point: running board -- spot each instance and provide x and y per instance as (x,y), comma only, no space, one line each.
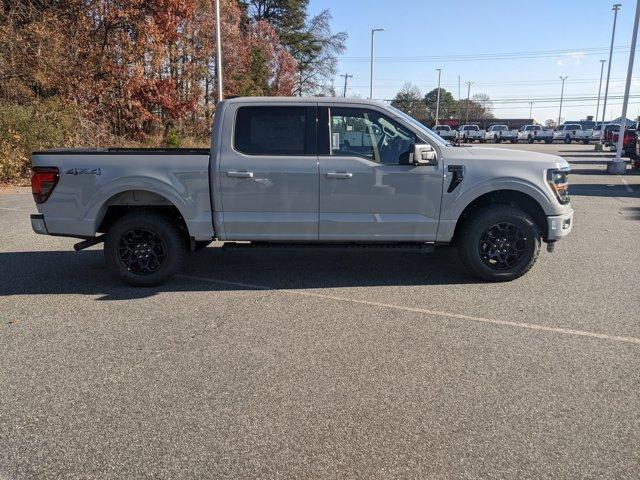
(398,246)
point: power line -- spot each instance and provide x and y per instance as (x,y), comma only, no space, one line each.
(574,53)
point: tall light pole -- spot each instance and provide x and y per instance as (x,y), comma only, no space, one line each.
(615,9)
(346,77)
(438,98)
(468,99)
(530,109)
(618,166)
(373,35)
(459,106)
(219,52)
(561,98)
(602,62)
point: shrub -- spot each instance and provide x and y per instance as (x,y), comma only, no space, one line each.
(26,128)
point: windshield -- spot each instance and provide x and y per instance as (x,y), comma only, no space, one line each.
(443,128)
(421,129)
(500,128)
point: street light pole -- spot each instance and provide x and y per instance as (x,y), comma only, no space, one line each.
(438,98)
(373,33)
(219,52)
(468,99)
(561,98)
(618,167)
(598,146)
(602,62)
(615,9)
(530,110)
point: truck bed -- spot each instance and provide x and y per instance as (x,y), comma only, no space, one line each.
(92,180)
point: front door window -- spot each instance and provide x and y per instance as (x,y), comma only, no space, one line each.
(371,135)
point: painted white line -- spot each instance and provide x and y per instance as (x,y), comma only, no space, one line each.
(14,209)
(437,313)
(626,184)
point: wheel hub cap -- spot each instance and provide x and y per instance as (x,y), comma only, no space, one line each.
(502,246)
(141,251)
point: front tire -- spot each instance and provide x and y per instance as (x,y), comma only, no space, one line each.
(530,139)
(567,139)
(144,248)
(499,243)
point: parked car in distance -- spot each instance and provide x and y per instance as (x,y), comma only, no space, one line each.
(535,133)
(446,132)
(609,130)
(628,141)
(596,131)
(471,133)
(501,133)
(282,171)
(572,132)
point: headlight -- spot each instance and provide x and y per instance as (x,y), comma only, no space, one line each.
(559,182)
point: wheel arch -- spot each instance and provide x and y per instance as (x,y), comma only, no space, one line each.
(145,192)
(518,198)
(125,201)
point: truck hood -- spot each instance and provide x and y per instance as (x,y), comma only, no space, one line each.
(491,155)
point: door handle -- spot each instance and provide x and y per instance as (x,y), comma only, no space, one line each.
(240,174)
(343,175)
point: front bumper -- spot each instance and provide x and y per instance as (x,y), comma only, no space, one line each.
(559,226)
(38,225)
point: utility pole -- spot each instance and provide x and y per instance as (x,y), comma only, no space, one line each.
(615,9)
(373,34)
(561,97)
(438,100)
(618,167)
(346,77)
(468,99)
(530,109)
(219,53)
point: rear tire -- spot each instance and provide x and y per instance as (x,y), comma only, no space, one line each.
(499,243)
(530,139)
(144,248)
(567,139)
(548,141)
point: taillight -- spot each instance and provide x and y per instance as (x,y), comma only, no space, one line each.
(43,181)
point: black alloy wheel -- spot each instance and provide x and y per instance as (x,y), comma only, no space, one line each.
(502,246)
(141,251)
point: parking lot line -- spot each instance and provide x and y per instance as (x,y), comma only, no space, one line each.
(457,316)
(626,184)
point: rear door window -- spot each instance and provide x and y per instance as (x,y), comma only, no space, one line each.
(275,130)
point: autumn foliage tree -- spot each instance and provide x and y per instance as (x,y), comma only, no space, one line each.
(136,67)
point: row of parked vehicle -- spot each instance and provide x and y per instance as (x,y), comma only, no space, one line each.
(567,133)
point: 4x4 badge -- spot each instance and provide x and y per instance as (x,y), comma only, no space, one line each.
(84,171)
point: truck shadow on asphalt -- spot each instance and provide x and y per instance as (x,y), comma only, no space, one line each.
(85,273)
(603,190)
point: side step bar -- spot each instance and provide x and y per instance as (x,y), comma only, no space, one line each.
(397,246)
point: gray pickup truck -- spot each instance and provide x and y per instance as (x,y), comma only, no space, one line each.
(305,170)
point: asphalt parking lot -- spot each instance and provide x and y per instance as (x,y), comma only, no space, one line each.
(315,364)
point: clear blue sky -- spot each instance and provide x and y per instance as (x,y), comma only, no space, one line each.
(572,34)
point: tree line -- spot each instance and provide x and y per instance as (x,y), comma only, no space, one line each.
(423,108)
(144,71)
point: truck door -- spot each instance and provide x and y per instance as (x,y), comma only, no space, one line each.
(268,173)
(372,192)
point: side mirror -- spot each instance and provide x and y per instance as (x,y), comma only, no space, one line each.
(424,155)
